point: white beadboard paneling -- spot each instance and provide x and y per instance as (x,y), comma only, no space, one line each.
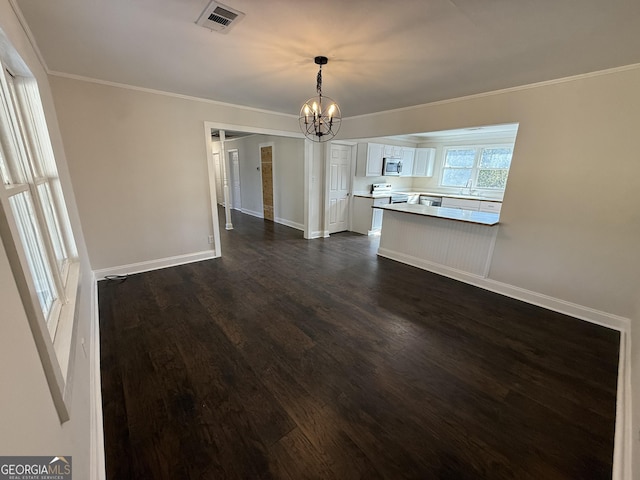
(462,246)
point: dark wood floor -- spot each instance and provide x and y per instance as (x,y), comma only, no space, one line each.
(296,359)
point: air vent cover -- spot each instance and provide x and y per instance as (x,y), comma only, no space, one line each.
(219,17)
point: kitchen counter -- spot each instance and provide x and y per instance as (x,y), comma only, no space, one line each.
(373,195)
(470,216)
(448,241)
(429,194)
(452,195)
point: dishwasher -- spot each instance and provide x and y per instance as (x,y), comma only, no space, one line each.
(430,201)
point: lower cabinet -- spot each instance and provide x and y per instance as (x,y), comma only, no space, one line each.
(461,203)
(477,205)
(376,222)
(367,220)
(490,207)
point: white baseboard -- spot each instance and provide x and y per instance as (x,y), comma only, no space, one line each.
(289,223)
(551,303)
(622,459)
(96,460)
(283,221)
(316,234)
(252,213)
(623,441)
(150,265)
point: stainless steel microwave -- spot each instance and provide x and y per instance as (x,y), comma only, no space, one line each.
(391,167)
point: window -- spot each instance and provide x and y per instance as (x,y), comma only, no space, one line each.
(35,227)
(476,167)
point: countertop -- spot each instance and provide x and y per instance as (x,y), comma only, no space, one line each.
(430,194)
(469,216)
(453,195)
(374,195)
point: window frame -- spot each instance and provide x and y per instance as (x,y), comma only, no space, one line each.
(29,162)
(475,169)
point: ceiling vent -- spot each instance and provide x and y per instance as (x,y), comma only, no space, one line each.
(219,17)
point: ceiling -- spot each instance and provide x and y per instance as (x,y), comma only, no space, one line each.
(382,54)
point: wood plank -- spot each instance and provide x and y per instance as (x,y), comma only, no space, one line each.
(290,359)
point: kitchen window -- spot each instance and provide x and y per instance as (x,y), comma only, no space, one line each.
(35,228)
(485,167)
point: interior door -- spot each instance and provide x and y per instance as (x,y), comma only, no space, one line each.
(236,197)
(339,177)
(266,166)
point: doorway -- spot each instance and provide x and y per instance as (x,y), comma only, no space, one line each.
(266,167)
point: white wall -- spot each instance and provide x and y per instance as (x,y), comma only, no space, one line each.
(288,173)
(288,186)
(138,163)
(29,423)
(363,184)
(570,225)
(316,189)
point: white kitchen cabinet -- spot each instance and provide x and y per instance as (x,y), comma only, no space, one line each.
(369,160)
(477,205)
(376,221)
(423,163)
(367,220)
(461,203)
(490,207)
(407,161)
(392,151)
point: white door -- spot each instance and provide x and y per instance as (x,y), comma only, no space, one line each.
(236,197)
(339,175)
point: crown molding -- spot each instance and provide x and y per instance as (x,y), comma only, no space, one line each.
(492,93)
(165,93)
(27,31)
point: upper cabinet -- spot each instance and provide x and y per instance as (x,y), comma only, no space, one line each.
(407,161)
(392,151)
(369,160)
(416,162)
(423,162)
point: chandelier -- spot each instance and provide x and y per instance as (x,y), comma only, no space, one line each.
(320,116)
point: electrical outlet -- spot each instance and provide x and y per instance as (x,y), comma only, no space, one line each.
(210,239)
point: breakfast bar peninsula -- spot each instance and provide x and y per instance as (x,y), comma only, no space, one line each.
(449,241)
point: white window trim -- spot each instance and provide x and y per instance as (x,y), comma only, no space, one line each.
(55,355)
(55,348)
(476,163)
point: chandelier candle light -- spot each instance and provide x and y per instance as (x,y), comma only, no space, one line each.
(320,117)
